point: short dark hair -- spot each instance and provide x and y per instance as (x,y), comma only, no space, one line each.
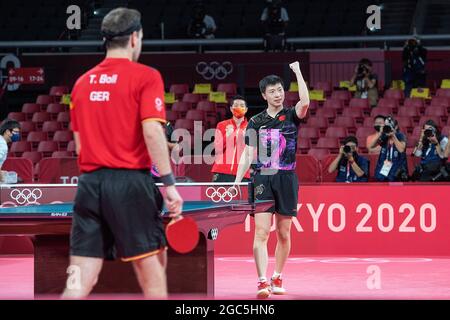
(9,124)
(365,61)
(238,97)
(350,139)
(379,116)
(117,22)
(269,81)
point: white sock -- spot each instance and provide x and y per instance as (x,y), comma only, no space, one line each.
(276,275)
(262,279)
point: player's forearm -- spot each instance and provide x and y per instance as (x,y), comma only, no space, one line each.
(333,166)
(244,164)
(76,138)
(156,142)
(303,94)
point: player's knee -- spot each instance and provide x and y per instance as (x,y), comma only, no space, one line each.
(284,236)
(262,234)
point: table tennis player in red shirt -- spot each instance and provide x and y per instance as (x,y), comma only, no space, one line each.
(229,142)
(117,113)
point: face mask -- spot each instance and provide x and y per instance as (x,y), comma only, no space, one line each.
(15,137)
(239,112)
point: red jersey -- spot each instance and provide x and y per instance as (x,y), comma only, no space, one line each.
(109,104)
(229,144)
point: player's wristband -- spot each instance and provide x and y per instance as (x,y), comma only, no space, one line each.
(168,180)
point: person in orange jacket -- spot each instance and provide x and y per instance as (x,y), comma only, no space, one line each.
(229,143)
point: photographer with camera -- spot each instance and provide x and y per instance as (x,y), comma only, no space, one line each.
(431,149)
(414,58)
(392,164)
(201,24)
(274,20)
(378,126)
(366,82)
(351,166)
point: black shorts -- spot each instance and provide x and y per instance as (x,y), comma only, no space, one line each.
(282,187)
(225,178)
(117,213)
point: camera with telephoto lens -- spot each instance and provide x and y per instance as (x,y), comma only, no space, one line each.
(362,69)
(430,132)
(347,149)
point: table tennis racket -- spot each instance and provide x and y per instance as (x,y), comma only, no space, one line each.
(182,234)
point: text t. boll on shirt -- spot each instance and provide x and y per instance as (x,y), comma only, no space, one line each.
(109,104)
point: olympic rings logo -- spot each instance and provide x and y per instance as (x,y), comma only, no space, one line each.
(26,196)
(222,194)
(214,70)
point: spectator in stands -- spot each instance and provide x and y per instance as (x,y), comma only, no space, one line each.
(9,132)
(229,143)
(392,164)
(378,126)
(201,24)
(274,19)
(366,82)
(173,148)
(351,166)
(431,149)
(414,59)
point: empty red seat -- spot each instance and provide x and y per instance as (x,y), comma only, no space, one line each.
(55,108)
(184,124)
(171,116)
(207,106)
(319,154)
(381,110)
(397,94)
(290,98)
(328,143)
(416,132)
(368,122)
(195,115)
(192,98)
(51,127)
(405,122)
(388,103)
(33,156)
(443,93)
(181,108)
(342,95)
(323,85)
(26,127)
(328,113)
(344,121)
(354,113)
(303,145)
(364,132)
(335,104)
(440,102)
(229,88)
(309,133)
(71,147)
(62,154)
(446,131)
(336,132)
(359,103)
(30,108)
(19,147)
(414,103)
(39,118)
(317,122)
(59,90)
(408,112)
(179,89)
(44,100)
(64,118)
(47,148)
(17,116)
(63,137)
(35,137)
(439,111)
